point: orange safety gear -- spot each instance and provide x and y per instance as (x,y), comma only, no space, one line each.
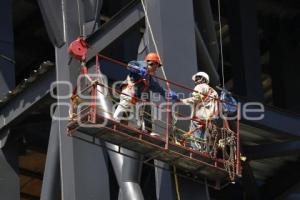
(152,57)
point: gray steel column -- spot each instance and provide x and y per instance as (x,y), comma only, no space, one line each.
(206,40)
(82,166)
(175,37)
(205,22)
(7,66)
(53,19)
(9,179)
(249,183)
(245,48)
(204,59)
(92,16)
(51,179)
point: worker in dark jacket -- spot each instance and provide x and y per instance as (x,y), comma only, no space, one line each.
(140,81)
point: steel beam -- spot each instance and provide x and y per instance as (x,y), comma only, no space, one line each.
(117,26)
(7,63)
(275,120)
(27,100)
(278,149)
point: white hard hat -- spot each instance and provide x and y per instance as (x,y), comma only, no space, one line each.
(202,74)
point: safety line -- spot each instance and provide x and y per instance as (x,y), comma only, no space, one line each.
(79,19)
(221,44)
(162,68)
(176,184)
(152,35)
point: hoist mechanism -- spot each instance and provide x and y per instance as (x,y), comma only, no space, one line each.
(217,159)
(78,49)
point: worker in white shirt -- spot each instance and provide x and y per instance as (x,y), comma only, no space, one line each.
(204,102)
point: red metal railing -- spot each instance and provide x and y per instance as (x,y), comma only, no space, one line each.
(93,113)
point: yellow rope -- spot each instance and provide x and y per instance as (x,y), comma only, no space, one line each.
(176,184)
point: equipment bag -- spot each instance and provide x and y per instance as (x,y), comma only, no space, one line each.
(228,103)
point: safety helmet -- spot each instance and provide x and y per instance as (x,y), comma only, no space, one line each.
(152,57)
(202,74)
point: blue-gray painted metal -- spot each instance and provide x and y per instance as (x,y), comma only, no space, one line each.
(27,100)
(51,178)
(204,59)
(206,24)
(175,38)
(245,48)
(277,149)
(248,181)
(52,14)
(78,160)
(3,137)
(188,187)
(116,27)
(92,10)
(9,180)
(164,182)
(273,120)
(66,150)
(7,67)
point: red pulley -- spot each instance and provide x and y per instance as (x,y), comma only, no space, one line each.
(78,49)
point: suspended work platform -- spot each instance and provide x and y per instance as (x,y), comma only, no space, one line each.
(189,162)
(217,161)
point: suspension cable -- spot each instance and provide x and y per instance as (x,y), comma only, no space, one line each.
(152,36)
(79,18)
(162,69)
(221,44)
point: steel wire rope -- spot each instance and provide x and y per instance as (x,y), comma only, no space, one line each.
(79,18)
(221,44)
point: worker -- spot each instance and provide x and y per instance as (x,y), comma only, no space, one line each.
(137,83)
(204,102)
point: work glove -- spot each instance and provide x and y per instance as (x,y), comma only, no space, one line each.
(142,72)
(139,70)
(172,95)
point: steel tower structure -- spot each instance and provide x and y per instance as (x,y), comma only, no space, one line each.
(187,39)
